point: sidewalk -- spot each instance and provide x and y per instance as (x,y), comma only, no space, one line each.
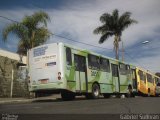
(23,100)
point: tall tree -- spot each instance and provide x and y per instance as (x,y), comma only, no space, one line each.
(31,31)
(114,25)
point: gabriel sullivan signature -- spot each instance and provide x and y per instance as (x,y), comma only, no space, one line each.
(9,117)
(139,116)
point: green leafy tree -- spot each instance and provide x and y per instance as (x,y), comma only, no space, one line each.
(31,31)
(114,25)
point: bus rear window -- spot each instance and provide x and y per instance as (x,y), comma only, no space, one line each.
(68,56)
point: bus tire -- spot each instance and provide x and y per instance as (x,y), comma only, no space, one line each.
(105,95)
(118,95)
(66,95)
(130,93)
(95,91)
(89,96)
(149,92)
(156,95)
(38,94)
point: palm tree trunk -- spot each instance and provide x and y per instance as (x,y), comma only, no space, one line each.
(116,46)
(32,39)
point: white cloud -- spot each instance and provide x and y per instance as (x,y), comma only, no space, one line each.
(150,63)
(78,20)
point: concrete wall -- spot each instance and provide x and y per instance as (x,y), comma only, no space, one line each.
(12,55)
(8,62)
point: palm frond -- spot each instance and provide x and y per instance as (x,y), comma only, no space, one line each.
(29,31)
(105,17)
(41,17)
(125,21)
(100,29)
(22,47)
(105,37)
(114,19)
(41,36)
(15,28)
(28,22)
(115,15)
(113,24)
(35,19)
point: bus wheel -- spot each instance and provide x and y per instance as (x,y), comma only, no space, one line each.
(66,95)
(95,91)
(156,95)
(106,95)
(128,95)
(130,92)
(37,94)
(89,96)
(149,92)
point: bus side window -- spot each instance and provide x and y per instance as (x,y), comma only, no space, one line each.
(149,78)
(123,69)
(153,80)
(68,56)
(158,84)
(133,74)
(93,62)
(115,70)
(104,65)
(144,78)
(157,80)
(128,69)
(141,75)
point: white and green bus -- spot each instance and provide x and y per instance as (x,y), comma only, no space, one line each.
(65,69)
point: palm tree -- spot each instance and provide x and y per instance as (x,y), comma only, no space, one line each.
(31,31)
(114,25)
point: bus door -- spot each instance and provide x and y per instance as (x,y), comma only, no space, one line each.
(80,73)
(115,78)
(134,80)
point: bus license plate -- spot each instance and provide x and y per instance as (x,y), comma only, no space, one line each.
(44,81)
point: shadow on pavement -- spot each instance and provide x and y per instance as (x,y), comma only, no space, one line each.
(79,98)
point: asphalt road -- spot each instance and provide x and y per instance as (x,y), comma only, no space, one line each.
(146,105)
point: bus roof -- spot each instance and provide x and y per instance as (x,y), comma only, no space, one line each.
(97,54)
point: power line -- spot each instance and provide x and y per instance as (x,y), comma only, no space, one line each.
(144,45)
(62,36)
(8,19)
(91,45)
(74,40)
(80,42)
(134,59)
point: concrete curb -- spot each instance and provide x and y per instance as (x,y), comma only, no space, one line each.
(15,101)
(10,100)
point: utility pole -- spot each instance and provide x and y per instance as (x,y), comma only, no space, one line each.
(12,83)
(122,52)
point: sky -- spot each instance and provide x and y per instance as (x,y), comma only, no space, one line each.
(76,20)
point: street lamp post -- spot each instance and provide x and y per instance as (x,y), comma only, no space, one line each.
(144,42)
(122,52)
